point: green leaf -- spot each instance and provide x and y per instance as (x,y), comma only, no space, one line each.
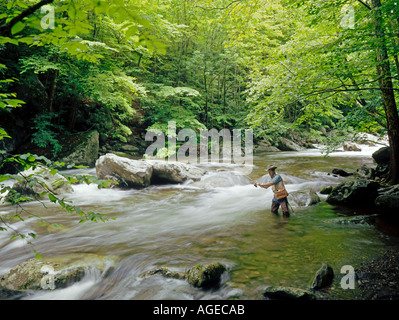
(52,197)
(18,27)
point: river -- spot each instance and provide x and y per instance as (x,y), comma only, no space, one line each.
(222,217)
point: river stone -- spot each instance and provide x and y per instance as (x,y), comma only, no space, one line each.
(165,272)
(285,144)
(304,198)
(80,148)
(174,172)
(388,198)
(206,275)
(55,183)
(323,278)
(68,269)
(351,147)
(266,146)
(382,155)
(141,173)
(287,293)
(130,173)
(357,192)
(326,190)
(341,172)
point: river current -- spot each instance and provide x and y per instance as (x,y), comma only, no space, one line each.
(222,217)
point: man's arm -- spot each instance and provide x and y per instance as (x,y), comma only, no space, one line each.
(266,185)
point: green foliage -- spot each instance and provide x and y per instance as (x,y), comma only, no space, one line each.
(44,135)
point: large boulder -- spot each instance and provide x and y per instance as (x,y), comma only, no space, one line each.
(303,198)
(285,144)
(348,146)
(323,278)
(354,193)
(35,274)
(382,155)
(142,173)
(265,146)
(174,172)
(128,172)
(35,182)
(80,148)
(287,293)
(388,199)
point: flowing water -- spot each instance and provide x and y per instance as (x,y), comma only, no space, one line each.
(222,217)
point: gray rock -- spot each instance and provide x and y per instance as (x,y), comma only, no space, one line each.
(266,146)
(287,293)
(285,144)
(357,192)
(128,172)
(142,173)
(303,198)
(39,180)
(82,149)
(323,278)
(351,147)
(165,272)
(68,269)
(174,172)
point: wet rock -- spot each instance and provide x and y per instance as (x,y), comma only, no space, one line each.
(206,275)
(341,172)
(10,294)
(326,190)
(323,278)
(388,198)
(365,172)
(200,276)
(351,147)
(357,192)
(285,144)
(128,172)
(364,219)
(287,293)
(165,272)
(68,269)
(81,148)
(34,182)
(382,155)
(304,198)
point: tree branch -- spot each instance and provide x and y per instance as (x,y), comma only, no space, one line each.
(219,8)
(365,4)
(5,29)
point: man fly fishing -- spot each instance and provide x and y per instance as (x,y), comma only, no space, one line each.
(280,193)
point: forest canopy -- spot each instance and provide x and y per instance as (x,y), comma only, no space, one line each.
(310,69)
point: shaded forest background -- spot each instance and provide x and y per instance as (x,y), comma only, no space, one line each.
(314,71)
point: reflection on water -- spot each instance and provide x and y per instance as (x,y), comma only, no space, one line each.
(221,218)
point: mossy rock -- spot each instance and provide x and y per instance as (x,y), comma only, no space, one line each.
(67,269)
(206,275)
(287,293)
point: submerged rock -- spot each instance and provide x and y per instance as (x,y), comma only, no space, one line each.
(341,172)
(287,293)
(206,275)
(66,270)
(35,182)
(304,198)
(323,278)
(203,276)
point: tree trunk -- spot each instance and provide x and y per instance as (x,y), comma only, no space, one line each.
(52,91)
(387,92)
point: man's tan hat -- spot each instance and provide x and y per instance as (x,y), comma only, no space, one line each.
(271,167)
